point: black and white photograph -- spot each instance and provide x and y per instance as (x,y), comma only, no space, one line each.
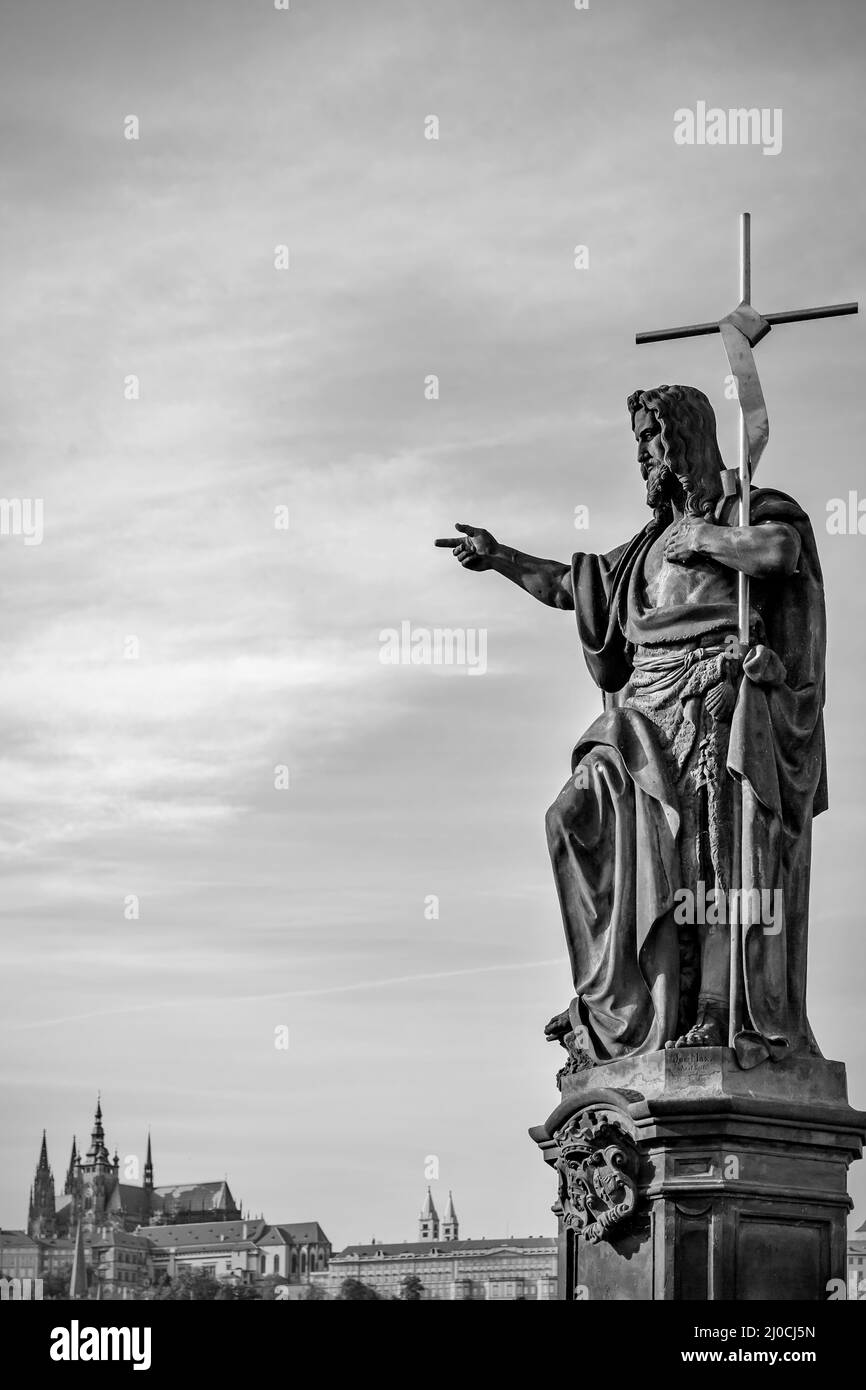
(432,736)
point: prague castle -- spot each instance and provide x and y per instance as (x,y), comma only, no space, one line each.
(94,1194)
(106,1237)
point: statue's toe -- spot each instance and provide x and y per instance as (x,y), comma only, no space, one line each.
(558,1026)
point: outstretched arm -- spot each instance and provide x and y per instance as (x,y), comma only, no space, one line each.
(547,580)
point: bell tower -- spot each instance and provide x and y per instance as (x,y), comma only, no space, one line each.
(428,1222)
(97,1174)
(450,1224)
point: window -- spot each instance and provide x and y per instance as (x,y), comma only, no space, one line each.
(277,1263)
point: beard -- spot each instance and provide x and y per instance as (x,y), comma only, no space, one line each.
(662,486)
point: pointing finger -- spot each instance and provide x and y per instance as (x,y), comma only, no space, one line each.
(450,541)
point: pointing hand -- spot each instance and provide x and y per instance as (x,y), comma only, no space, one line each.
(476,549)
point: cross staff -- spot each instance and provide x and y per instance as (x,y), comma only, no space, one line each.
(741,331)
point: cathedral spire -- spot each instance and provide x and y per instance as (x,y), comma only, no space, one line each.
(148,1166)
(40,1217)
(98,1153)
(70,1172)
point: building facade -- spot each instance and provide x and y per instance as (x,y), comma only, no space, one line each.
(20,1256)
(510,1268)
(857,1264)
(240,1250)
(122,1265)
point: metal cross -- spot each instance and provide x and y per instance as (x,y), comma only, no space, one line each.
(741,331)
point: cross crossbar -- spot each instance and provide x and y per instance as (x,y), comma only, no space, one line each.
(699,330)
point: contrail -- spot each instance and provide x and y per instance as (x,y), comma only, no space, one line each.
(284,994)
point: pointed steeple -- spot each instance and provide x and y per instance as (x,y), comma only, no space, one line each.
(450,1224)
(97,1154)
(428,1222)
(40,1218)
(148,1167)
(70,1172)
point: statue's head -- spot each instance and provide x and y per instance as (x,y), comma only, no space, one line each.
(677,450)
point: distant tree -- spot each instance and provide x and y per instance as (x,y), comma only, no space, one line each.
(55,1286)
(353,1289)
(194,1285)
(315,1294)
(267,1288)
(160,1289)
(236,1291)
(411,1288)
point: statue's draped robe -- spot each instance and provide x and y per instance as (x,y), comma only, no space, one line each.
(625,834)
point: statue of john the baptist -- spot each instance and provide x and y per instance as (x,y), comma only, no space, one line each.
(644,827)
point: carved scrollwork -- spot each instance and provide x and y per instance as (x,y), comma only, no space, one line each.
(597,1169)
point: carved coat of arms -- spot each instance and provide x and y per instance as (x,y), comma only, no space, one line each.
(597,1169)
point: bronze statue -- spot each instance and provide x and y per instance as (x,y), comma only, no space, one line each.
(643,837)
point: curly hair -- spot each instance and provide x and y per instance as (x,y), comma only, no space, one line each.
(687,424)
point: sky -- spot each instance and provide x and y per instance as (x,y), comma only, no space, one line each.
(168,646)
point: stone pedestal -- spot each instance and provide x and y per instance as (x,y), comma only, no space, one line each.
(682,1176)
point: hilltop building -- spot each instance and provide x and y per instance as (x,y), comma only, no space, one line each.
(448,1267)
(117,1237)
(95,1193)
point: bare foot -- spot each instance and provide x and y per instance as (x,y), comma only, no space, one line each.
(556,1029)
(711,1030)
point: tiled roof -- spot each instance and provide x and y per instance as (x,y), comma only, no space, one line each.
(10,1240)
(203,1233)
(130,1198)
(193,1196)
(447,1247)
(127,1240)
(298,1232)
